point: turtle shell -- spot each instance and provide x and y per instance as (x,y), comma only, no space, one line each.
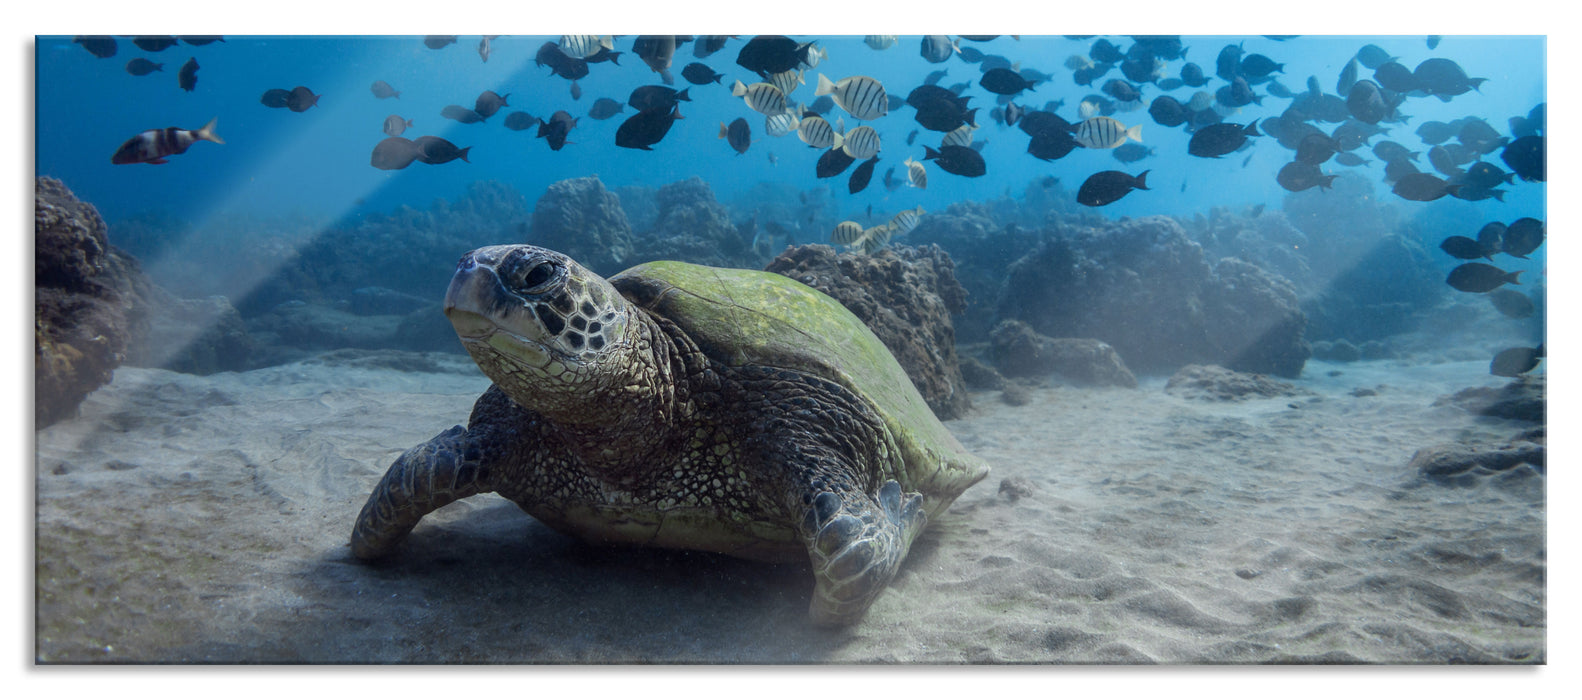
(750,317)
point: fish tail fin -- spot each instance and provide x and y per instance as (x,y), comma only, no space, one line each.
(683,95)
(207,132)
(1252,129)
(929,153)
(1135,133)
(1512,277)
(839,140)
(723,130)
(739,89)
(1142,180)
(463,154)
(825,85)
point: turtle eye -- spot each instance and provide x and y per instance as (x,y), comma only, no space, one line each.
(538,276)
(531,279)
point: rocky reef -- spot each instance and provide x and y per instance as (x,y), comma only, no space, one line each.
(906,295)
(1215,383)
(582,219)
(692,226)
(982,249)
(1145,288)
(1019,351)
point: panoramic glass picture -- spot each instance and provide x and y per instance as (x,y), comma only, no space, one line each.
(767,349)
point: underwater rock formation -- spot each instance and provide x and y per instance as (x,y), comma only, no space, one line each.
(906,295)
(580,218)
(981,251)
(1146,289)
(691,226)
(1451,459)
(1215,383)
(195,336)
(1523,398)
(1019,351)
(81,326)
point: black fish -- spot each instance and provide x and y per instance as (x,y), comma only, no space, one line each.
(650,98)
(657,50)
(1422,187)
(556,129)
(393,153)
(833,162)
(1131,152)
(1052,145)
(604,108)
(154,43)
(1237,94)
(520,121)
(708,45)
(1168,111)
(1004,81)
(738,134)
(604,55)
(1522,237)
(1463,248)
(1228,63)
(1371,57)
(101,46)
(434,150)
(1440,158)
(1512,303)
(276,98)
(438,41)
(957,160)
(1443,78)
(646,128)
(940,110)
(301,99)
(1485,174)
(1296,176)
(1220,139)
(1192,75)
(489,102)
(1350,159)
(770,53)
(699,74)
(1390,150)
(1492,236)
(1366,103)
(1477,135)
(1395,77)
(861,176)
(188,77)
(1256,66)
(1121,90)
(1513,362)
(461,114)
(1103,51)
(382,90)
(1315,148)
(1141,68)
(201,40)
(1104,187)
(143,66)
(154,145)
(1525,156)
(1480,277)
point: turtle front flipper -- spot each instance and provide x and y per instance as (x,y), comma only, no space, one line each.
(857,541)
(447,468)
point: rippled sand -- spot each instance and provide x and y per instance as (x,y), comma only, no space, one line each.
(205,519)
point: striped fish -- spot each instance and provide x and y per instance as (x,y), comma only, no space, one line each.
(761,97)
(961,136)
(815,131)
(813,56)
(780,124)
(1106,132)
(861,96)
(879,42)
(916,176)
(154,145)
(904,222)
(874,238)
(584,45)
(846,233)
(786,81)
(861,143)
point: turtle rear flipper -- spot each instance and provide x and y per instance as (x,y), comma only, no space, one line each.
(447,468)
(856,542)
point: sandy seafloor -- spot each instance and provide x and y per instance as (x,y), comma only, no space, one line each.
(198,519)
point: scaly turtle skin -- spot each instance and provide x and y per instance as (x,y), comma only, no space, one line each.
(682,406)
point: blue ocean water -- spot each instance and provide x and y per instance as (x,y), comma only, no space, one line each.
(316,163)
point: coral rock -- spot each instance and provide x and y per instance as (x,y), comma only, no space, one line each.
(1213,383)
(1019,351)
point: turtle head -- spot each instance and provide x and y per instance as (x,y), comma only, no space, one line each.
(538,324)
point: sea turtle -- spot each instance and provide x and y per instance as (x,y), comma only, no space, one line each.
(677,405)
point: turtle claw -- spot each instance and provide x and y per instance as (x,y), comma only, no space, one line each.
(857,544)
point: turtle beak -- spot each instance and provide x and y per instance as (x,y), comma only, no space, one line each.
(464,303)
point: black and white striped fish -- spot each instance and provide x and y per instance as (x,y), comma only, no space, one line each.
(860,143)
(879,42)
(778,125)
(874,238)
(904,222)
(861,96)
(584,45)
(786,81)
(846,233)
(815,131)
(960,136)
(916,176)
(1106,132)
(154,145)
(761,97)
